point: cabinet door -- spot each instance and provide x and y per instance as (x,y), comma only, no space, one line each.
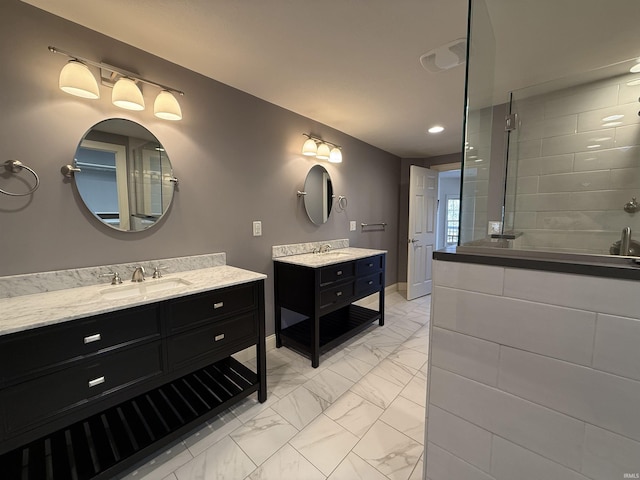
(336,296)
(34,402)
(35,352)
(212,342)
(367,266)
(197,310)
(368,285)
(336,273)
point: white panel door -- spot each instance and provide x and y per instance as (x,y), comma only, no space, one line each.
(423,205)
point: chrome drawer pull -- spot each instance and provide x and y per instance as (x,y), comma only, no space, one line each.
(338,294)
(217,338)
(96,381)
(92,338)
(339,272)
(218,305)
(370,282)
(371,264)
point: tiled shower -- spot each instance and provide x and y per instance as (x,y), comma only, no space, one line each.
(574,162)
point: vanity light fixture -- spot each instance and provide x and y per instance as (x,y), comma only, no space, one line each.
(310,148)
(336,155)
(127,95)
(321,149)
(77,79)
(324,152)
(166,106)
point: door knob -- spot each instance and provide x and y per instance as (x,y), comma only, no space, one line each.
(414,240)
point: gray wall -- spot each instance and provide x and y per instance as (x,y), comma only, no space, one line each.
(237,157)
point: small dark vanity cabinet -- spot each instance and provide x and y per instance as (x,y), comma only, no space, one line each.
(324,296)
(89,398)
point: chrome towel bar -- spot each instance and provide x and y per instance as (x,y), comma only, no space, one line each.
(15,166)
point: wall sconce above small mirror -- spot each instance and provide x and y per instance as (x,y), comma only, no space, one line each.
(318,194)
(123,174)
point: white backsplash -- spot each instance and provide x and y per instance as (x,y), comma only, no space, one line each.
(300,248)
(30,283)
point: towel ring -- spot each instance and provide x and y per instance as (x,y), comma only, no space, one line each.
(15,166)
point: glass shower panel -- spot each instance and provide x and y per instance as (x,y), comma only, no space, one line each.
(574,162)
(475,211)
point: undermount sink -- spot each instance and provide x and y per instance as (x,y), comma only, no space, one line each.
(143,288)
(333,254)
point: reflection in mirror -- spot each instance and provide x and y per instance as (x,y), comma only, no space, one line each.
(125,176)
(319,194)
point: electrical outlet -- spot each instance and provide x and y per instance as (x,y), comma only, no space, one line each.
(352,226)
(257,228)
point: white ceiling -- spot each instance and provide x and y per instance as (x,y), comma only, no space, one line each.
(354,64)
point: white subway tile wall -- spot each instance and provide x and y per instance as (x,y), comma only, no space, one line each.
(473,223)
(573,166)
(532,375)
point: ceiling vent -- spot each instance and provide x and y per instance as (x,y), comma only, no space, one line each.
(445,57)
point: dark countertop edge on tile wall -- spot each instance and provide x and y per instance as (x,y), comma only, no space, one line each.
(594,265)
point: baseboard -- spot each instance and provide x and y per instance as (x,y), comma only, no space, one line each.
(393,288)
(402,286)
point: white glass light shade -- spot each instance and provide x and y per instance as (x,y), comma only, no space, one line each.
(323,152)
(167,107)
(335,156)
(77,79)
(310,148)
(126,94)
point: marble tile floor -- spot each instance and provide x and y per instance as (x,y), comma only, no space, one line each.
(359,415)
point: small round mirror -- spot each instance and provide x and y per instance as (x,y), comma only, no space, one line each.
(125,176)
(319,194)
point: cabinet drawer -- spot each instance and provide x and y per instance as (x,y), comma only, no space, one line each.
(338,295)
(334,273)
(38,350)
(367,266)
(369,284)
(217,339)
(33,402)
(194,310)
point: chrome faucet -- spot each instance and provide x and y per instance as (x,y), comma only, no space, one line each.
(138,275)
(115,277)
(156,271)
(325,248)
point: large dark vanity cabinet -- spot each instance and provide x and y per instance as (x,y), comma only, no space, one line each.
(89,398)
(325,296)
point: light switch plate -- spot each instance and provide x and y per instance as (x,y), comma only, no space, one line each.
(495,228)
(352,226)
(257,228)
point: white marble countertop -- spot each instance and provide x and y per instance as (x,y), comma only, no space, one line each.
(41,309)
(317,260)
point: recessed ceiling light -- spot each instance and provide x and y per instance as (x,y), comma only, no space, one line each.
(612,118)
(635,68)
(436,129)
(593,146)
(634,82)
(611,124)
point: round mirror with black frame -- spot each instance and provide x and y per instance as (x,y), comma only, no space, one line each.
(318,198)
(124,175)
